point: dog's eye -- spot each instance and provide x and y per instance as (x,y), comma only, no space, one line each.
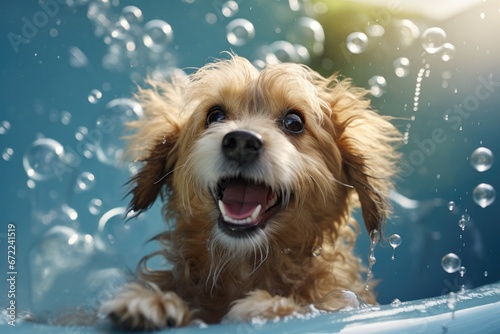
(293,123)
(216,114)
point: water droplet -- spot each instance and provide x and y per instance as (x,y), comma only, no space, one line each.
(94,96)
(433,39)
(239,32)
(401,66)
(4,127)
(317,250)
(377,85)
(481,159)
(447,52)
(7,153)
(484,195)
(286,250)
(109,149)
(374,237)
(230,8)
(451,205)
(158,35)
(95,206)
(462,271)
(451,263)
(84,182)
(396,302)
(357,42)
(394,241)
(44,160)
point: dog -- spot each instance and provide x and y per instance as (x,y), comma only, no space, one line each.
(261,171)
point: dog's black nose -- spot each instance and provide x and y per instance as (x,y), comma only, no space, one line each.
(242,146)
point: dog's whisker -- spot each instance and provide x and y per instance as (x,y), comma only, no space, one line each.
(167,174)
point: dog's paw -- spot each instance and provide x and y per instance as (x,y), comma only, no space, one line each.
(259,304)
(139,308)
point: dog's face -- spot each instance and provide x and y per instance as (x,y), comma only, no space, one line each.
(257,154)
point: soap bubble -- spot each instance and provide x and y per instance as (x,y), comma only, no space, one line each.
(239,32)
(95,206)
(401,66)
(447,52)
(451,263)
(407,32)
(282,51)
(433,39)
(4,127)
(94,96)
(84,182)
(230,8)
(481,159)
(377,85)
(357,42)
(130,16)
(308,32)
(109,148)
(484,195)
(44,160)
(7,153)
(157,35)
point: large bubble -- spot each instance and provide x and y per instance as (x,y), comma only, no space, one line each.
(433,39)
(44,160)
(110,129)
(307,32)
(481,159)
(451,263)
(484,195)
(357,42)
(158,35)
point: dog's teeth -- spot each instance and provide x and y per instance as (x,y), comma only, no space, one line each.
(222,209)
(255,213)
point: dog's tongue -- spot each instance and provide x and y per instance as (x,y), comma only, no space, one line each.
(240,198)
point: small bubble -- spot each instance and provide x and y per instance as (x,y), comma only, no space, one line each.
(484,195)
(84,182)
(485,273)
(239,32)
(401,66)
(317,250)
(481,159)
(130,16)
(394,241)
(357,42)
(95,206)
(462,223)
(447,52)
(230,8)
(462,271)
(7,153)
(94,96)
(451,263)
(53,32)
(4,127)
(286,250)
(451,205)
(433,39)
(373,29)
(211,18)
(81,132)
(65,117)
(158,35)
(377,85)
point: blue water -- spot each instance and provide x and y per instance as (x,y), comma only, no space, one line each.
(66,65)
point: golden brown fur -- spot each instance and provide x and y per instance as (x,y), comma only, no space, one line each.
(343,158)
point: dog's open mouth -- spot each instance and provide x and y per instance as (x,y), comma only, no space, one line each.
(245,205)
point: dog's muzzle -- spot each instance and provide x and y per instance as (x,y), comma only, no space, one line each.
(244,204)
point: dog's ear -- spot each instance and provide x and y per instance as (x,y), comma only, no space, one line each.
(366,141)
(154,142)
